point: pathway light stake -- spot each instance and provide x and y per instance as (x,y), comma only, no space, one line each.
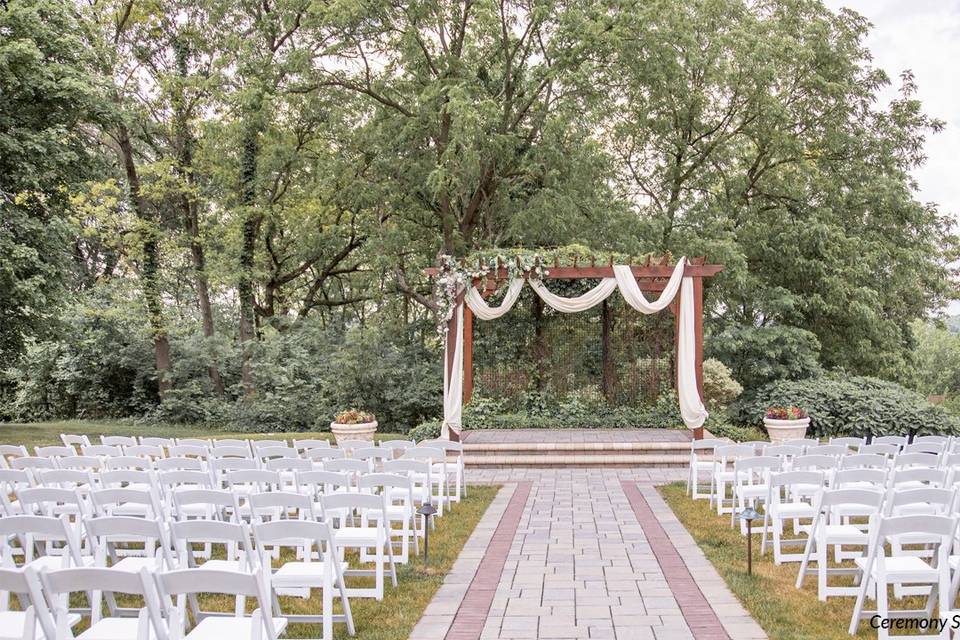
(426,511)
(749,515)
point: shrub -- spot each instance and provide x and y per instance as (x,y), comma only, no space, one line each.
(719,387)
(736,433)
(760,355)
(426,431)
(570,413)
(852,406)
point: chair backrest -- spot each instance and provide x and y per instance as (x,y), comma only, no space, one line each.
(857,477)
(899,441)
(271,453)
(241,453)
(54,451)
(188,451)
(47,501)
(32,462)
(46,527)
(102,450)
(203,443)
(220,443)
(108,531)
(288,464)
(87,463)
(74,440)
(179,464)
(935,448)
(915,459)
(11,481)
(380,482)
(350,445)
(121,478)
(251,585)
(782,451)
(347,465)
(311,443)
(262,444)
(750,470)
(884,449)
(8,451)
(155,441)
(784,480)
(802,442)
(373,454)
(814,462)
(148,451)
(119,441)
(829,499)
(317,483)
(931,500)
(863,461)
(233,535)
(336,504)
(26,582)
(282,504)
(172,481)
(925,525)
(397,446)
(220,504)
(931,438)
(925,475)
(258,480)
(726,454)
(324,453)
(97,580)
(134,463)
(448,446)
(65,478)
(852,443)
(407,467)
(220,467)
(827,450)
(308,534)
(107,501)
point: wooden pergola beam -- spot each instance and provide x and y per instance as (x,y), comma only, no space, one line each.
(639,272)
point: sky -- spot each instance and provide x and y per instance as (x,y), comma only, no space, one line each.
(923,36)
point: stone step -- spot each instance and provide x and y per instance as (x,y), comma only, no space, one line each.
(560,448)
(577,459)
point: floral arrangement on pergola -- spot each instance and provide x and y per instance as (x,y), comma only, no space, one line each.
(462,286)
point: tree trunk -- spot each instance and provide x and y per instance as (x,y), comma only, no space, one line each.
(151,263)
(251,227)
(185,142)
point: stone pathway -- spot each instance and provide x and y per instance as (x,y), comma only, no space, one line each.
(582,553)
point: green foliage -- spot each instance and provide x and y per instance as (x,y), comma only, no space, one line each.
(719,387)
(936,360)
(849,406)
(759,355)
(426,430)
(737,433)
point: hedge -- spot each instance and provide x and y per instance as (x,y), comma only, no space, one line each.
(850,406)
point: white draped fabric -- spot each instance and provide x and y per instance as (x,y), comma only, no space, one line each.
(691,406)
(583,302)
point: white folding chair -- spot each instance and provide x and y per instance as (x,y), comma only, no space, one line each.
(898,441)
(154,441)
(922,501)
(835,450)
(33,463)
(349,445)
(880,570)
(74,440)
(457,469)
(397,491)
(102,451)
(750,484)
(309,538)
(397,447)
(310,443)
(147,451)
(82,463)
(437,458)
(54,451)
(724,458)
(148,624)
(803,443)
(935,449)
(701,461)
(202,443)
(132,503)
(233,443)
(11,451)
(783,504)
(119,441)
(321,455)
(864,461)
(262,444)
(850,443)
(133,463)
(888,450)
(860,478)
(942,440)
(261,625)
(38,537)
(33,620)
(232,453)
(180,463)
(361,523)
(828,530)
(917,478)
(12,481)
(221,467)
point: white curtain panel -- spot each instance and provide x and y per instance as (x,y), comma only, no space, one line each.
(453,380)
(691,406)
(581,303)
(484,311)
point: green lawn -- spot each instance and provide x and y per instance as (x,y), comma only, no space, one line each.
(770,596)
(47,433)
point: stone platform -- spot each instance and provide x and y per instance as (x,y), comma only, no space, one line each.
(547,448)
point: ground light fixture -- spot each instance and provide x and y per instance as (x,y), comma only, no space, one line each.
(426,511)
(748,515)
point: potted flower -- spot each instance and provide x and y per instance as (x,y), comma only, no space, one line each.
(786,423)
(353,424)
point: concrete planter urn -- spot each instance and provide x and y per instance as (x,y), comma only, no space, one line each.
(353,425)
(782,430)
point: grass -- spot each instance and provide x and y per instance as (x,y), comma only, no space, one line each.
(770,595)
(33,434)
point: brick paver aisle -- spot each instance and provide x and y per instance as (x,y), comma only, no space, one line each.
(581,566)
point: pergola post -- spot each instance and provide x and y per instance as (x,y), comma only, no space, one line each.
(468,354)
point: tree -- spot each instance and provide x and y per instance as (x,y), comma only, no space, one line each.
(49,91)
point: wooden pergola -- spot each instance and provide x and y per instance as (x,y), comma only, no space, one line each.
(652,276)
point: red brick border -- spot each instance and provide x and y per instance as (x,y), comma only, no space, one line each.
(472,614)
(700,616)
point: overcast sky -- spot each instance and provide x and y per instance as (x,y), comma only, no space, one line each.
(923,36)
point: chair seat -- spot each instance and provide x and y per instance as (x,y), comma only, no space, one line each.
(12,623)
(223,565)
(114,629)
(356,535)
(752,490)
(52,563)
(302,574)
(792,509)
(133,564)
(902,568)
(218,628)
(131,509)
(844,534)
